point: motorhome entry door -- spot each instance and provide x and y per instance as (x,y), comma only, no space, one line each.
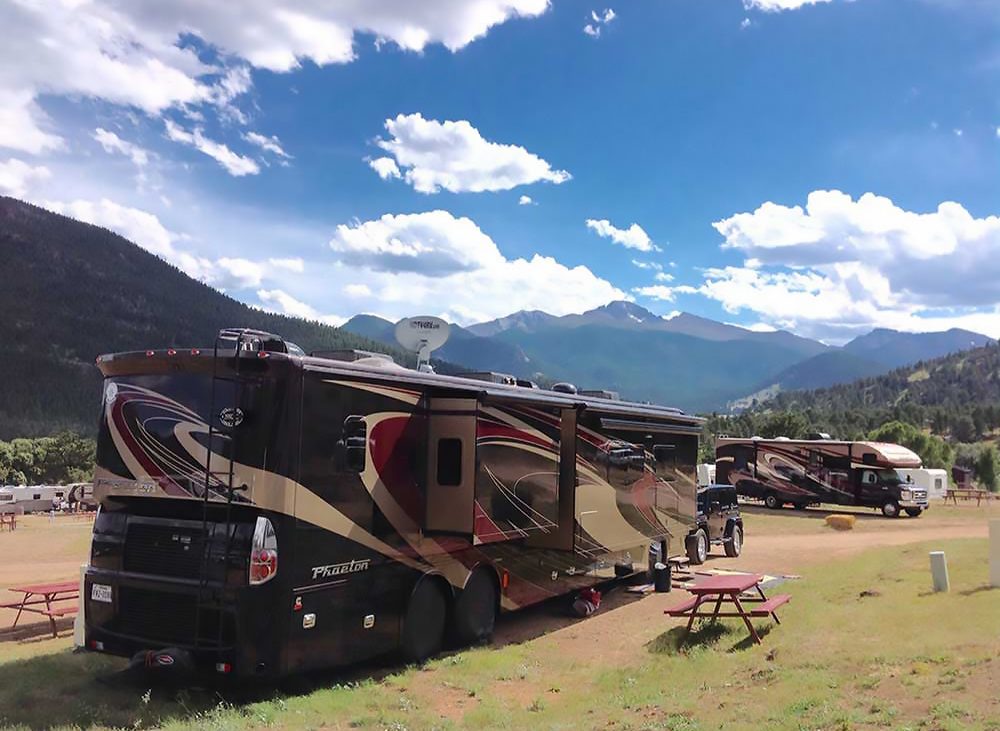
(451,465)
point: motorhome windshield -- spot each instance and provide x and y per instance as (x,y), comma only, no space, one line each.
(890,477)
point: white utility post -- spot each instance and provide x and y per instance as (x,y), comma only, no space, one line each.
(939,571)
(995,552)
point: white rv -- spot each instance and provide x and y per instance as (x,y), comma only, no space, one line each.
(934,481)
(32,499)
(706,475)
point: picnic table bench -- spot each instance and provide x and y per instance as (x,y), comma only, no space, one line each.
(954,494)
(36,595)
(730,589)
(8,520)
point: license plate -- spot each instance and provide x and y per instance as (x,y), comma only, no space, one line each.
(100,593)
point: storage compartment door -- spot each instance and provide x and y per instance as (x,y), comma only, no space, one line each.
(451,465)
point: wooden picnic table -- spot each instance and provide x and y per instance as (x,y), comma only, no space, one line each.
(36,595)
(954,494)
(8,520)
(730,589)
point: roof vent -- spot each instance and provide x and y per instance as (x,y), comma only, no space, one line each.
(819,436)
(564,388)
(601,393)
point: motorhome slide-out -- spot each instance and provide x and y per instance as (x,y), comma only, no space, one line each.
(807,472)
(265,512)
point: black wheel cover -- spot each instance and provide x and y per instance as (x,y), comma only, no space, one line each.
(476,609)
(423,626)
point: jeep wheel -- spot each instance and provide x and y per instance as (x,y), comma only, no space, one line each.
(771,501)
(914,512)
(890,509)
(734,544)
(697,547)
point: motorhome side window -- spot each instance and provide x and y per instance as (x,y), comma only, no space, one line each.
(352,447)
(815,459)
(665,456)
(449,462)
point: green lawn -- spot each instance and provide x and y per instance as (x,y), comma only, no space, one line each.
(864,644)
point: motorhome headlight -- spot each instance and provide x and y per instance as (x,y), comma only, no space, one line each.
(905,494)
(263,552)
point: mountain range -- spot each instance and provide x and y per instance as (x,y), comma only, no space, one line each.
(685,360)
(71,290)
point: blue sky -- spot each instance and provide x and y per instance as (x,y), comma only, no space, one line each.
(825,167)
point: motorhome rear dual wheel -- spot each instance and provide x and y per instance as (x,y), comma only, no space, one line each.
(475,611)
(424,623)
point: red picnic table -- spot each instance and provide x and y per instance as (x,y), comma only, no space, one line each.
(35,595)
(730,589)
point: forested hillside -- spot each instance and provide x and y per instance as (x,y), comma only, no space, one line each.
(945,393)
(70,291)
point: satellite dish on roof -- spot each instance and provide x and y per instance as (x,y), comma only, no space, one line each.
(421,335)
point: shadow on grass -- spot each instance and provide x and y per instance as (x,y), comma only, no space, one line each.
(710,635)
(82,689)
(979,589)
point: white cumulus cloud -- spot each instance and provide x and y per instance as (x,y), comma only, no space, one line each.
(279,301)
(839,266)
(774,6)
(439,263)
(135,53)
(525,200)
(431,243)
(234,164)
(633,237)
(593,28)
(292,264)
(453,155)
(269,144)
(17,177)
(113,144)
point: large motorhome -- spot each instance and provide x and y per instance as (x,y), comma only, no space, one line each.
(807,472)
(263,512)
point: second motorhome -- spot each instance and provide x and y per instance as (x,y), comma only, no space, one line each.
(808,472)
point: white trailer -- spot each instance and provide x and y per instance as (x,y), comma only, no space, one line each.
(934,481)
(706,475)
(32,499)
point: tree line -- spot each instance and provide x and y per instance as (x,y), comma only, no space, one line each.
(56,460)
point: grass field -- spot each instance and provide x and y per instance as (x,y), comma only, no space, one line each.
(864,644)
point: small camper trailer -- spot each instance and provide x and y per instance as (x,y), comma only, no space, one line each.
(934,481)
(31,499)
